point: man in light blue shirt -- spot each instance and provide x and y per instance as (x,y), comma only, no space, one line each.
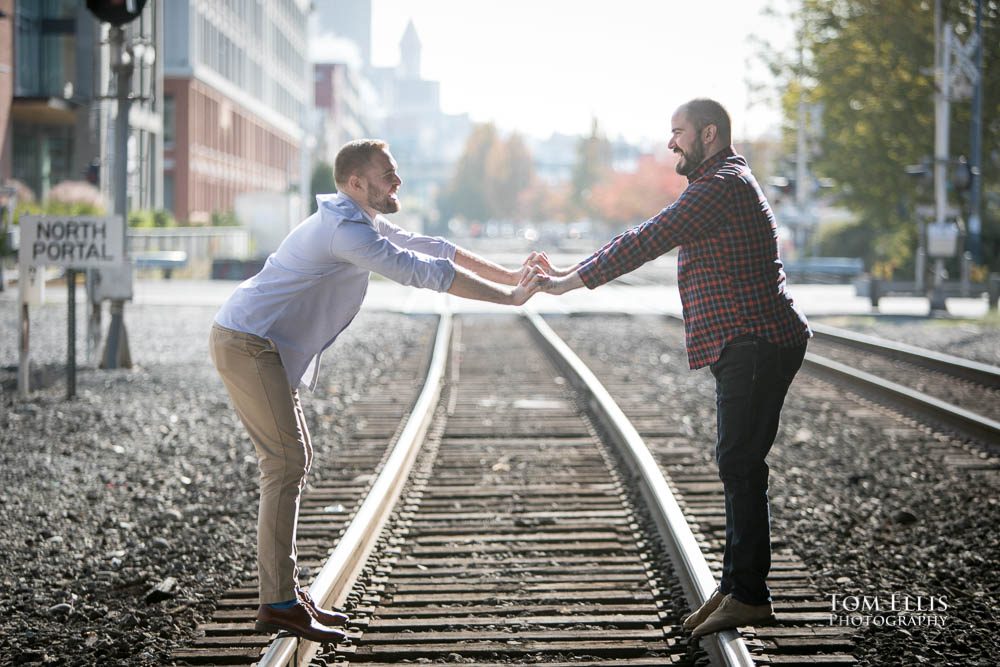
(268,337)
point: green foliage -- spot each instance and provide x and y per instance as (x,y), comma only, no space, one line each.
(321,182)
(149,219)
(868,64)
(224,219)
(56,208)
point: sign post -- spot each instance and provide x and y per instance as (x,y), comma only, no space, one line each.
(73,242)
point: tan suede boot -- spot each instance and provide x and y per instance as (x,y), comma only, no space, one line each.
(699,616)
(732,613)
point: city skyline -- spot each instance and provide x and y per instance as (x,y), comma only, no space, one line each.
(560,81)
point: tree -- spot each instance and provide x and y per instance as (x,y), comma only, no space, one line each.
(489,177)
(544,202)
(630,197)
(508,171)
(872,75)
(593,163)
(321,182)
(465,195)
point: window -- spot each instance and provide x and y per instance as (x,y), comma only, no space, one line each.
(169,121)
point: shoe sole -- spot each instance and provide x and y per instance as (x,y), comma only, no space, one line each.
(770,620)
(262,626)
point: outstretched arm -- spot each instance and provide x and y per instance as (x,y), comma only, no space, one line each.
(563,284)
(486,269)
(471,286)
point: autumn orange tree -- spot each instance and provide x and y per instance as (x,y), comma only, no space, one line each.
(631,197)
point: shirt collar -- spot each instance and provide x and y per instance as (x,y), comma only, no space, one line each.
(711,164)
(344,203)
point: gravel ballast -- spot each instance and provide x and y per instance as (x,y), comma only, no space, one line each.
(125,512)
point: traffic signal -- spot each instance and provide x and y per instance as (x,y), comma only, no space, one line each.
(961,175)
(116,12)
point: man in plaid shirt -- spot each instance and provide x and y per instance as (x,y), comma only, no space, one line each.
(739,320)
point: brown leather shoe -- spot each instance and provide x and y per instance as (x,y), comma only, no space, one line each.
(297,621)
(323,616)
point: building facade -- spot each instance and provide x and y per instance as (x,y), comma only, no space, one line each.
(344,102)
(61,122)
(237,91)
(6,85)
(350,19)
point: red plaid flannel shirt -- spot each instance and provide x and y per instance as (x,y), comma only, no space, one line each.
(730,277)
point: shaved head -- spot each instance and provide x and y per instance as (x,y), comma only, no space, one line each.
(702,112)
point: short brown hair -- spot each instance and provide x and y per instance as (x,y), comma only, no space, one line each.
(354,156)
(703,112)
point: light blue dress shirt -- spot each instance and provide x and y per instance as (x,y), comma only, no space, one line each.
(312,286)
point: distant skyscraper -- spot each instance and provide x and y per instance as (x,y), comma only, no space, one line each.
(409,53)
(351,19)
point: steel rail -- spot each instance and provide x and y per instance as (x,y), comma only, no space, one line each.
(954,416)
(725,648)
(973,371)
(964,420)
(334,581)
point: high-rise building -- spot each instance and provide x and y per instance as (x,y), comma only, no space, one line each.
(238,88)
(344,102)
(350,19)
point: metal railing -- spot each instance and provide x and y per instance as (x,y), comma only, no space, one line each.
(197,242)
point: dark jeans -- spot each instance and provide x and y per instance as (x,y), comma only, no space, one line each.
(751,379)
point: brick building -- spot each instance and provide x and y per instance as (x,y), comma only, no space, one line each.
(237,88)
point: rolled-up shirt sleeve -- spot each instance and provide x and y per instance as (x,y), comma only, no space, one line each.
(435,246)
(362,245)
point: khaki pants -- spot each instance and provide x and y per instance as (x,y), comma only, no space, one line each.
(270,410)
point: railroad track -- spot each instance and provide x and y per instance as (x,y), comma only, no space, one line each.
(534,528)
(953,394)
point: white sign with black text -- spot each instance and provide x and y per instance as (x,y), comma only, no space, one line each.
(77,242)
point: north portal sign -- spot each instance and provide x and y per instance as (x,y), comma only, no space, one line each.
(77,242)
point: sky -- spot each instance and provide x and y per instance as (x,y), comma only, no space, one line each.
(544,66)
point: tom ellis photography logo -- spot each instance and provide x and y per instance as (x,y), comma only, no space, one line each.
(891,610)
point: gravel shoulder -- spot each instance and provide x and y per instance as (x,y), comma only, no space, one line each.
(146,479)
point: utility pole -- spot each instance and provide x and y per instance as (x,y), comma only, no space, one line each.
(116,350)
(118,13)
(942,113)
(976,152)
(802,181)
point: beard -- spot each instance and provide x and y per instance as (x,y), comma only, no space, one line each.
(383,203)
(689,161)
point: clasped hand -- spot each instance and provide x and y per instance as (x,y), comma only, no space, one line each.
(539,274)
